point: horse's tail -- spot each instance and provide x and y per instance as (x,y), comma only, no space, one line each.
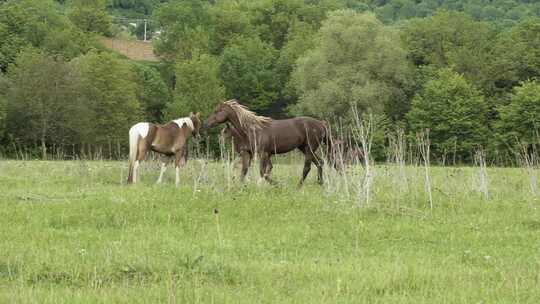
(133,147)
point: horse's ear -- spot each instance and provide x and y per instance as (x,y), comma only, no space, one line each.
(198,114)
(191,114)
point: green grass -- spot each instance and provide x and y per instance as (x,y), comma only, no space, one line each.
(72,232)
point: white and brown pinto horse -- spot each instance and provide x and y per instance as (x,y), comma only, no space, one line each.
(169,140)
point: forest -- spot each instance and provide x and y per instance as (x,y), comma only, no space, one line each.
(467,70)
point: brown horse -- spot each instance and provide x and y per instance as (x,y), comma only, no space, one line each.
(346,153)
(169,140)
(266,137)
(241,146)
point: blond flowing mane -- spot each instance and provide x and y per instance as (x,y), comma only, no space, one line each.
(247,118)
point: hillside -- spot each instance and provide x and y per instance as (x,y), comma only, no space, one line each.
(133,49)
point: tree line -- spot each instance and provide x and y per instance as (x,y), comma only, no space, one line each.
(469,75)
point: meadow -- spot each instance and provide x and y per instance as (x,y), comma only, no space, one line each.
(73,232)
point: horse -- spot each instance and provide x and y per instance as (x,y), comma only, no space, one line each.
(169,140)
(265,136)
(345,153)
(241,146)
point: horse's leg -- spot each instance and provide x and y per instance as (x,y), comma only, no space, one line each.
(164,160)
(264,162)
(179,162)
(319,162)
(267,174)
(313,157)
(142,148)
(246,162)
(307,167)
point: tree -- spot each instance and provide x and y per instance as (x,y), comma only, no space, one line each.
(91,16)
(454,111)
(135,7)
(185,29)
(109,89)
(273,18)
(4,85)
(300,39)
(397,10)
(248,73)
(517,55)
(231,21)
(520,120)
(357,62)
(198,88)
(451,39)
(39,24)
(153,93)
(40,96)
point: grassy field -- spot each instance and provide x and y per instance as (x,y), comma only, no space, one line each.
(72,232)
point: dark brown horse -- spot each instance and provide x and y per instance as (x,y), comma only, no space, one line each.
(169,140)
(241,146)
(265,136)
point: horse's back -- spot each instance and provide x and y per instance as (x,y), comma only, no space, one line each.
(310,126)
(287,134)
(140,129)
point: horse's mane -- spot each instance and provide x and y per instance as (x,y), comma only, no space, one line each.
(247,118)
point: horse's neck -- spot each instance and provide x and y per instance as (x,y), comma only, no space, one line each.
(236,134)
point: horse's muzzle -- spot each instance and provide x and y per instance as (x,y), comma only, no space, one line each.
(205,127)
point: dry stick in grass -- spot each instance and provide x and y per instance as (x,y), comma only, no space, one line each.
(216,214)
(529,161)
(342,164)
(398,149)
(422,139)
(339,178)
(226,159)
(364,131)
(480,160)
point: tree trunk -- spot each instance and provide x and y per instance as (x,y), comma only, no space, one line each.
(43,145)
(43,148)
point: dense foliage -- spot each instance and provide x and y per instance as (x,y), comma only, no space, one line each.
(454,111)
(465,69)
(359,63)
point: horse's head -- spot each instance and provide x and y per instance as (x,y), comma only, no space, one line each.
(197,124)
(220,115)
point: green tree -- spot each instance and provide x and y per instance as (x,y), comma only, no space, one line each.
(517,55)
(4,85)
(300,39)
(40,99)
(91,16)
(38,23)
(273,18)
(357,62)
(452,39)
(454,111)
(153,93)
(135,7)
(109,90)
(248,73)
(397,10)
(520,120)
(185,28)
(198,87)
(231,21)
